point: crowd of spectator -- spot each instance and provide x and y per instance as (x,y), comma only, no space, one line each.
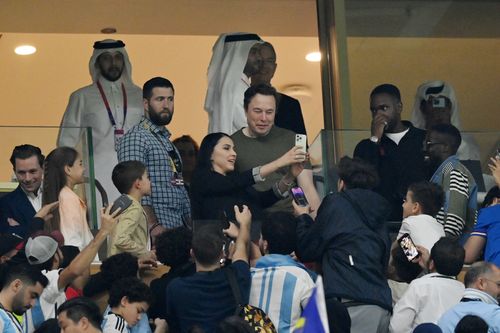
(221,217)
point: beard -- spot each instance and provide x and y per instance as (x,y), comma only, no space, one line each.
(112,74)
(17,304)
(160,119)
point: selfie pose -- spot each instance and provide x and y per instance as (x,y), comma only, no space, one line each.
(350,240)
(216,188)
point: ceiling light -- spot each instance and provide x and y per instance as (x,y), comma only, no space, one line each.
(108,30)
(25,49)
(313,57)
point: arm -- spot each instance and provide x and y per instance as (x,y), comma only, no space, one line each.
(71,118)
(81,264)
(473,248)
(476,242)
(305,180)
(154,227)
(41,217)
(494,167)
(244,218)
(294,155)
(311,242)
(127,225)
(455,216)
(213,183)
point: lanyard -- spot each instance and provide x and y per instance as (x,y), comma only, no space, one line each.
(171,161)
(13,318)
(106,104)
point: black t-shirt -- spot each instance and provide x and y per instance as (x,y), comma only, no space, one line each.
(205,298)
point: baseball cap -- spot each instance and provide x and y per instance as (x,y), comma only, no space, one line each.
(40,249)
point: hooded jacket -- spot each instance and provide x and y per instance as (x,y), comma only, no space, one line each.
(353,254)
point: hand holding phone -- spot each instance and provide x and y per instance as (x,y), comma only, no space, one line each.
(301,141)
(122,202)
(408,247)
(299,197)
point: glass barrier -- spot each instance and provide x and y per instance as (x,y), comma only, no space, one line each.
(407,43)
(329,146)
(45,138)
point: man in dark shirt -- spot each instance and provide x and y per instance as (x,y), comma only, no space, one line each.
(19,206)
(205,298)
(395,148)
(288,111)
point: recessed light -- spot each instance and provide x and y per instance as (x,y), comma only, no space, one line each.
(25,49)
(313,57)
(108,30)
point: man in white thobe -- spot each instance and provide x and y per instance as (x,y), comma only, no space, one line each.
(235,57)
(111,105)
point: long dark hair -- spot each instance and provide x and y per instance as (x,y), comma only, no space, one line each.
(55,179)
(204,161)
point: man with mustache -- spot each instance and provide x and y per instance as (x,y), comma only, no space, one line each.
(21,286)
(395,148)
(149,142)
(111,106)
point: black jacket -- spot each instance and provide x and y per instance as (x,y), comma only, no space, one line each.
(353,254)
(398,165)
(213,194)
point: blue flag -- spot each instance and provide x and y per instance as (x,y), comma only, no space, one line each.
(314,318)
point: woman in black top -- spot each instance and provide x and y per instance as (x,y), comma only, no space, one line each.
(216,188)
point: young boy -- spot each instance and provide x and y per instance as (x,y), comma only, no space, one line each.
(423,201)
(129,299)
(131,233)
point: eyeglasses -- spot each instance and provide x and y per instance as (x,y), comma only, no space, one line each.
(430,143)
(495,282)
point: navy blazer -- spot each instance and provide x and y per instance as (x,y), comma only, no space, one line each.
(16,205)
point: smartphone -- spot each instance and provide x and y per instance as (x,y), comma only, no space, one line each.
(408,247)
(438,102)
(301,141)
(122,202)
(298,196)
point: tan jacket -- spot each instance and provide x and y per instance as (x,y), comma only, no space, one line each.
(131,233)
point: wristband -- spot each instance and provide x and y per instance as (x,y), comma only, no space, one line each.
(256,174)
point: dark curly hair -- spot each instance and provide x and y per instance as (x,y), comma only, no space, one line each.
(131,287)
(113,268)
(356,173)
(173,246)
(118,266)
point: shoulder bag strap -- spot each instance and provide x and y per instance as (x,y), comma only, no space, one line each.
(234,288)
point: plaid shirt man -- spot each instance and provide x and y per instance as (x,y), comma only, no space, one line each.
(150,144)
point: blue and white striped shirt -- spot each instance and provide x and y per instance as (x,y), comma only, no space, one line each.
(281,287)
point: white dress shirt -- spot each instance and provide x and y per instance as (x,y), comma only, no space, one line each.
(425,301)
